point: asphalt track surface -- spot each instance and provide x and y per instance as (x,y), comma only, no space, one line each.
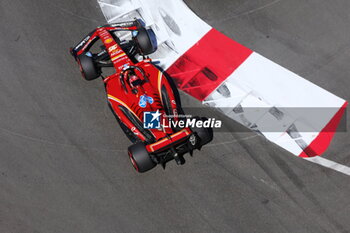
(63,161)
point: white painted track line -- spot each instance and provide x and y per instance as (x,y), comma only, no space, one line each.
(330,164)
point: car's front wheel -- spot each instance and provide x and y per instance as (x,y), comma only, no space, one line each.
(146,41)
(88,67)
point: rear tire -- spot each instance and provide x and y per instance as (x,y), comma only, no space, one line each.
(205,134)
(87,67)
(140,157)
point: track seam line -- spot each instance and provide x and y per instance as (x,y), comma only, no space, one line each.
(330,164)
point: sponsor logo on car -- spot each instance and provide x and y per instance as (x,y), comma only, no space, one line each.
(109,40)
(144,99)
(82,42)
(126,24)
(134,130)
(112,48)
(121,55)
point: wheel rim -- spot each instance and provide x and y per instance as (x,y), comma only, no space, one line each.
(133,162)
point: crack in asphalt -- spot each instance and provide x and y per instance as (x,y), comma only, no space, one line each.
(250,11)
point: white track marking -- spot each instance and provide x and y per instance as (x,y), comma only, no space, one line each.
(318,159)
(330,164)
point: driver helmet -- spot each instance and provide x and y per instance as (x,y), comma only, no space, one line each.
(134,80)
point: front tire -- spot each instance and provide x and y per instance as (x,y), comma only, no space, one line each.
(140,158)
(87,67)
(146,41)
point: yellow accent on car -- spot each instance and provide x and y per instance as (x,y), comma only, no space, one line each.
(122,103)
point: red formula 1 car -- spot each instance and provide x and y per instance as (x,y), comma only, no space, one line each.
(138,91)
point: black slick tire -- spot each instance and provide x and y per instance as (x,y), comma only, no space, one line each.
(140,158)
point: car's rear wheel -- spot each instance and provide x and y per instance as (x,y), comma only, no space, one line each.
(146,41)
(87,67)
(140,158)
(205,134)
